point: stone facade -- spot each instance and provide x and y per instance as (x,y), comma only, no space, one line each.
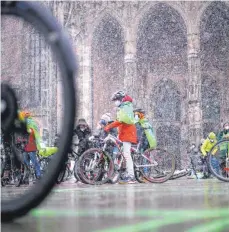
(176,76)
(191,125)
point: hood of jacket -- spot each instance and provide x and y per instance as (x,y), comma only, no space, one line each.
(127,98)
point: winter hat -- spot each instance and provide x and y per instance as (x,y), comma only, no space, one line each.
(212,135)
(226,124)
(82,121)
(106,117)
(103,122)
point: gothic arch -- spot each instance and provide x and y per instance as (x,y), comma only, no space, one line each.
(107,64)
(203,8)
(210,89)
(103,14)
(167,115)
(167,101)
(211,103)
(214,41)
(169,138)
(149,6)
(214,37)
(161,43)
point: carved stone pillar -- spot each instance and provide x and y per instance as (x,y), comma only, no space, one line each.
(130,63)
(194,89)
(77,45)
(225,98)
(87,85)
(58,11)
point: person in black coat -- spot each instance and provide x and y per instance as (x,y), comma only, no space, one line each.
(83,133)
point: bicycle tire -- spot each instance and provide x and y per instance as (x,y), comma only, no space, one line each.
(3,183)
(41,19)
(137,176)
(75,172)
(164,177)
(61,176)
(116,180)
(67,174)
(18,181)
(79,175)
(83,177)
(97,180)
(2,167)
(210,156)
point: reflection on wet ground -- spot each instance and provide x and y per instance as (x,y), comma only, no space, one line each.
(177,205)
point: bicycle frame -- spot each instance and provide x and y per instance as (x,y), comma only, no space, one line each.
(92,163)
(119,143)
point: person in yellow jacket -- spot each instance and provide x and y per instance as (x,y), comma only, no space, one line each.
(208,144)
(206,147)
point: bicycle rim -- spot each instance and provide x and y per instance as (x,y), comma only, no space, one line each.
(105,167)
(44,22)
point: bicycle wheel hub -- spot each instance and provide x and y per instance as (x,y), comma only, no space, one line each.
(9,107)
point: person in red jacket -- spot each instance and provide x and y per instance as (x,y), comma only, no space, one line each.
(127,133)
(31,150)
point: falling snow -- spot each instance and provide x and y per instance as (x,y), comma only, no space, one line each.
(172,58)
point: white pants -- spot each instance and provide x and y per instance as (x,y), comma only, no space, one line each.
(129,161)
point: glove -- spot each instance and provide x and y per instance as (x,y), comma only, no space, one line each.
(203,158)
(106,129)
(91,138)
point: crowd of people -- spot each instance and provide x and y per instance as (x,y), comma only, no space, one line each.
(131,127)
(130,132)
(137,127)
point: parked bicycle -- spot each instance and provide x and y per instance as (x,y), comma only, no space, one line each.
(67,170)
(15,169)
(218,160)
(96,165)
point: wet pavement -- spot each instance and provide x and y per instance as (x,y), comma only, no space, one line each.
(177,205)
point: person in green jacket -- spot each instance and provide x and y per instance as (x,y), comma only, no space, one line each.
(145,131)
(224,134)
(32,126)
(32,143)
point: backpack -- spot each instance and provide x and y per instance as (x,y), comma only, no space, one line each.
(148,129)
(125,113)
